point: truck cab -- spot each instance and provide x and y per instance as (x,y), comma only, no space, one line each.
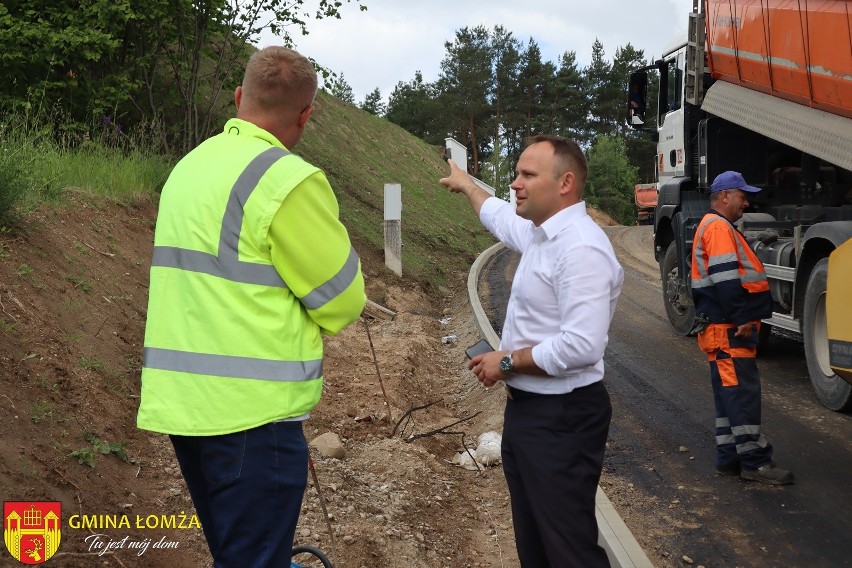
(732,96)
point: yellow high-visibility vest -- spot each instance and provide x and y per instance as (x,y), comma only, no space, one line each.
(232,342)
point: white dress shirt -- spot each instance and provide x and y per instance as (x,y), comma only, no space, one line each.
(563,295)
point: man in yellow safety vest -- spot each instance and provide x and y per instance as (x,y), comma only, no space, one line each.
(251,267)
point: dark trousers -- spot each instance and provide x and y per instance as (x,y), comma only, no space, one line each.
(736,394)
(553,450)
(247,490)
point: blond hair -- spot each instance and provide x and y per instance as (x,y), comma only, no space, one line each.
(278,77)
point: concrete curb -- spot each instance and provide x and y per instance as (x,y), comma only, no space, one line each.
(621,546)
(482,323)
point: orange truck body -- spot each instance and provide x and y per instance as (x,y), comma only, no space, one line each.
(645,196)
(794,50)
(776,106)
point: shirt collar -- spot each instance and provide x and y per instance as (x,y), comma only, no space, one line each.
(242,127)
(713,211)
(562,219)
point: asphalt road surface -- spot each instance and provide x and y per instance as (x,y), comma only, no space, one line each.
(662,438)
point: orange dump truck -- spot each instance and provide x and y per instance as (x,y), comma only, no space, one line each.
(645,197)
(764,88)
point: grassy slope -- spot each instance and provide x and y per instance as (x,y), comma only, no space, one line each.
(360,153)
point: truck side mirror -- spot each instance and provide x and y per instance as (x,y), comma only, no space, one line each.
(637,99)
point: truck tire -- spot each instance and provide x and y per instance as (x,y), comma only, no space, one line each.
(676,295)
(832,391)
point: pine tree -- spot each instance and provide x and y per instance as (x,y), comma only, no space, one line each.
(338,87)
(415,107)
(466,81)
(374,104)
(536,80)
(569,102)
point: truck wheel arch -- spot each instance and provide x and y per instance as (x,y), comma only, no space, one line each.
(818,242)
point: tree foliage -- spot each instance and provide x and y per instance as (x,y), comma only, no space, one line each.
(338,87)
(466,83)
(494,91)
(611,178)
(129,61)
(373,103)
(110,65)
(52,53)
(415,106)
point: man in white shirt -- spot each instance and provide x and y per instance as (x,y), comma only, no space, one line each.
(563,299)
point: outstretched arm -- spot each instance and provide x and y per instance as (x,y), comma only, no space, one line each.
(459,181)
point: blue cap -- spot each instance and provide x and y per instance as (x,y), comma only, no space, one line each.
(731,180)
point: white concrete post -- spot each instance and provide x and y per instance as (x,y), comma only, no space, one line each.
(457,152)
(393,229)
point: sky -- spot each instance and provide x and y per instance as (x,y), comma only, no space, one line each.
(394,39)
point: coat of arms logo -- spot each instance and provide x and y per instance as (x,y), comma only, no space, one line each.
(32,529)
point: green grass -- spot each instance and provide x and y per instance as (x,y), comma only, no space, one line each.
(359,153)
(113,173)
(40,160)
(92,364)
(41,411)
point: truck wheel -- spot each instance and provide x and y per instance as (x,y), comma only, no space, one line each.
(832,391)
(676,295)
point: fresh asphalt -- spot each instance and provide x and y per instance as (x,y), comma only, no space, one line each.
(661,438)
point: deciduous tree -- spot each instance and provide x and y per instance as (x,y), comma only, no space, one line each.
(176,61)
(611,178)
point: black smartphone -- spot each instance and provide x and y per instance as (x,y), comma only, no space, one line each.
(478,348)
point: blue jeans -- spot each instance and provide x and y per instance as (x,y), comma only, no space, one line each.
(247,489)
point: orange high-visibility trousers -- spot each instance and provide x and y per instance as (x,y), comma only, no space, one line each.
(736,393)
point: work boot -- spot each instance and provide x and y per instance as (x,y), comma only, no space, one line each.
(769,473)
(728,471)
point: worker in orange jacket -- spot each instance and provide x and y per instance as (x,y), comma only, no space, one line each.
(731,296)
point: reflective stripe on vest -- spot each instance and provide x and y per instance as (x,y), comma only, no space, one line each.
(231,366)
(338,283)
(227,264)
(752,274)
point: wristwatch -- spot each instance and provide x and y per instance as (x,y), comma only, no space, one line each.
(506,363)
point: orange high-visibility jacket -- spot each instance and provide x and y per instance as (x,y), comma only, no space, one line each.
(728,280)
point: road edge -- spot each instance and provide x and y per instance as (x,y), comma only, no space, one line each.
(621,546)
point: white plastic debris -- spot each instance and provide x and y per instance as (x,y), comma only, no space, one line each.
(447,339)
(464,460)
(487,452)
(488,448)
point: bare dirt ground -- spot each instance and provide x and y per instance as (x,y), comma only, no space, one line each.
(73,294)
